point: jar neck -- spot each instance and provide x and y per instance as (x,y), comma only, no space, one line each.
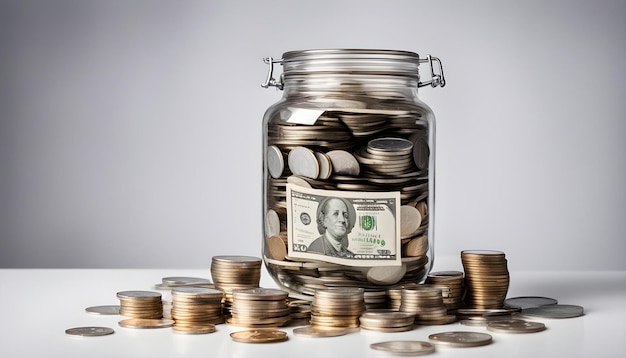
(351,85)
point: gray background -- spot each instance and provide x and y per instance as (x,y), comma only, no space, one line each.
(130,131)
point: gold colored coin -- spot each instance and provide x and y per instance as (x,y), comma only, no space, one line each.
(259,336)
(146,323)
(277,249)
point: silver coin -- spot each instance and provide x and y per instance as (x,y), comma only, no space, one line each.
(302,161)
(319,331)
(104,310)
(89,331)
(404,348)
(391,145)
(515,326)
(554,311)
(139,294)
(275,161)
(326,166)
(272,223)
(529,301)
(461,338)
(184,280)
(344,163)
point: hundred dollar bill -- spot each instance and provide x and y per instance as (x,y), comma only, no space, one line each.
(344,227)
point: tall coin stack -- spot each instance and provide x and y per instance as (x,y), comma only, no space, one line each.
(486,278)
(141,304)
(427,305)
(196,308)
(235,273)
(454,284)
(260,307)
(340,307)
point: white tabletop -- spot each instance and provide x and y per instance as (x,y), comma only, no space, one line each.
(39,305)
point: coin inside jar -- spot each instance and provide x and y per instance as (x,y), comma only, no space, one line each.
(275,161)
(302,161)
(344,163)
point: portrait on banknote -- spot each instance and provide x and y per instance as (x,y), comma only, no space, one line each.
(344,227)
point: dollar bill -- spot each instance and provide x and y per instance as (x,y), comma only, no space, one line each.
(344,227)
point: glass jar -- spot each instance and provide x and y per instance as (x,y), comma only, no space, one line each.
(348,171)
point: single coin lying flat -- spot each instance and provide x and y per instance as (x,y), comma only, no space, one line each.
(259,336)
(404,348)
(89,331)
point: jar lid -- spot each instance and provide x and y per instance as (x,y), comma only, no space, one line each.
(366,61)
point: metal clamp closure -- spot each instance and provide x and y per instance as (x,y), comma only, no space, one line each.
(437,79)
(270,80)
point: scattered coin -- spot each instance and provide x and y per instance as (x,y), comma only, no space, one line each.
(259,336)
(515,326)
(461,338)
(319,331)
(104,310)
(529,301)
(89,331)
(146,323)
(554,311)
(404,348)
(185,281)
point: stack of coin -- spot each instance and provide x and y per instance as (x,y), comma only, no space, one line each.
(259,307)
(300,309)
(486,278)
(141,304)
(387,156)
(327,131)
(391,321)
(375,298)
(196,308)
(339,307)
(427,305)
(452,284)
(235,273)
(394,295)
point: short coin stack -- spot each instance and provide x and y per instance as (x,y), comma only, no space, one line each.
(141,304)
(338,307)
(196,310)
(394,295)
(454,284)
(486,278)
(391,321)
(427,305)
(235,273)
(260,307)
